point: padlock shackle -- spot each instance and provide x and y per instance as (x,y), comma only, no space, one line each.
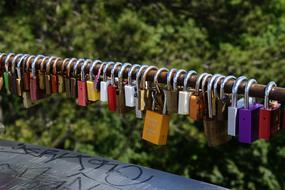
(218,80)
(22,60)
(100,71)
(6,62)
(222,88)
(75,67)
(246,92)
(186,79)
(205,79)
(198,81)
(15,60)
(82,69)
(50,60)
(177,75)
(169,77)
(235,90)
(268,89)
(135,66)
(121,71)
(149,68)
(34,64)
(68,67)
(155,79)
(106,68)
(54,66)
(138,75)
(209,94)
(117,64)
(42,63)
(94,64)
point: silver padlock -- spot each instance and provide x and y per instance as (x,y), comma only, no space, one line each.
(130,88)
(233,109)
(184,95)
(105,83)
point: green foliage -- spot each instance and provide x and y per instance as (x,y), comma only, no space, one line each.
(230,37)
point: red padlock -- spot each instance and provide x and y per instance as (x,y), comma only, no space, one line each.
(54,78)
(112,90)
(269,116)
(82,87)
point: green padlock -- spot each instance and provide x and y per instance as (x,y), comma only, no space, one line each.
(6,82)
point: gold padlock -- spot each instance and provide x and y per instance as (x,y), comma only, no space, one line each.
(93,92)
(156,124)
(1,83)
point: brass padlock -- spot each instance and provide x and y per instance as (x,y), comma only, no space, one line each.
(19,74)
(14,74)
(215,131)
(93,92)
(144,93)
(171,94)
(48,89)
(67,77)
(61,77)
(27,74)
(139,113)
(156,124)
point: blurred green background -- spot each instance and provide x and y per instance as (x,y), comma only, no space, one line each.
(229,37)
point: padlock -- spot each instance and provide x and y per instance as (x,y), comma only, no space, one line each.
(54,78)
(48,89)
(233,110)
(67,78)
(92,92)
(121,104)
(34,88)
(19,74)
(269,116)
(61,77)
(27,74)
(7,74)
(130,88)
(171,94)
(13,79)
(81,84)
(248,117)
(139,113)
(1,83)
(113,90)
(223,100)
(144,93)
(73,80)
(158,94)
(215,131)
(1,72)
(184,95)
(196,101)
(105,83)
(156,125)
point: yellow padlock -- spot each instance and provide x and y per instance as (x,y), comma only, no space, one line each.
(93,92)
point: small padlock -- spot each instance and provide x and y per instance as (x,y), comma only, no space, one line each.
(112,90)
(19,74)
(67,78)
(196,101)
(61,77)
(54,78)
(34,88)
(184,95)
(130,88)
(48,89)
(249,117)
(13,81)
(171,94)
(105,83)
(139,113)
(92,91)
(144,93)
(7,74)
(269,116)
(156,125)
(27,74)
(233,110)
(73,80)
(215,131)
(81,84)
(121,104)
(158,95)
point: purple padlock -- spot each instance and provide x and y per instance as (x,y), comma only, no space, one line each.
(249,118)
